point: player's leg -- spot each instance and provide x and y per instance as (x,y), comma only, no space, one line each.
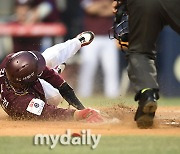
(52,95)
(145,23)
(60,53)
(56,56)
(89,63)
(110,65)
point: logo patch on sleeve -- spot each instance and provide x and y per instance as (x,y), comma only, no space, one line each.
(36,106)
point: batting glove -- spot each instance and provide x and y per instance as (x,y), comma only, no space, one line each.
(89,115)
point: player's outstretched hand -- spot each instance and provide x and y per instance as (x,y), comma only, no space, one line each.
(85,38)
(89,115)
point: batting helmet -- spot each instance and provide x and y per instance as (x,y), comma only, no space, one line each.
(25,66)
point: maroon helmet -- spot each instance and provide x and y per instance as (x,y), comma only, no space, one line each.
(25,66)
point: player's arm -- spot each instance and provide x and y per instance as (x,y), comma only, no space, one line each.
(69,95)
(30,107)
(50,112)
(40,110)
(61,52)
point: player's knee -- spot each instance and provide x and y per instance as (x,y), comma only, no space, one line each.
(55,100)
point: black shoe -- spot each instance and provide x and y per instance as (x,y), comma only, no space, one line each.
(147,106)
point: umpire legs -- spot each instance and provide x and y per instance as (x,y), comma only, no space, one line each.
(146,20)
(145,23)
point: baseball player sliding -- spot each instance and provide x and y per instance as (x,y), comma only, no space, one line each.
(29,84)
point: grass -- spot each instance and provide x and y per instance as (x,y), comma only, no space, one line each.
(107,145)
(98,101)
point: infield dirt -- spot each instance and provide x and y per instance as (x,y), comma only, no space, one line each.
(167,122)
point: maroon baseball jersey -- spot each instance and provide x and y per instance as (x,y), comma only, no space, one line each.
(31,103)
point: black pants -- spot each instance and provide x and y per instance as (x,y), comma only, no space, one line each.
(146,20)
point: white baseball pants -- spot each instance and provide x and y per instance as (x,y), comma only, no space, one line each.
(55,56)
(101,51)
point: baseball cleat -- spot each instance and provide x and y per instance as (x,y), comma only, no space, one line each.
(147,106)
(60,68)
(85,38)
